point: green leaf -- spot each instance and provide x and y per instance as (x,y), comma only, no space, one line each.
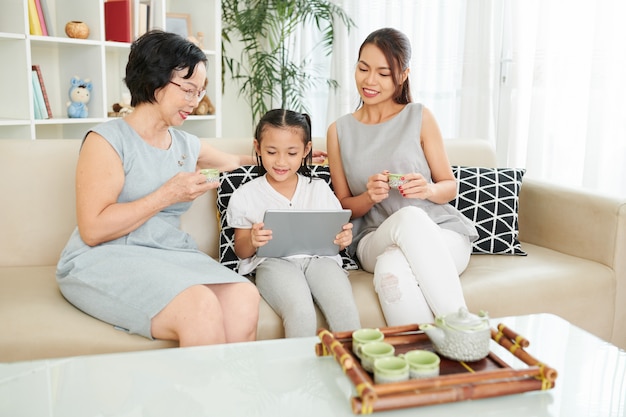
(266,75)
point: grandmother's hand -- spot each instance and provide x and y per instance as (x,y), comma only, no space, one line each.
(187,186)
(319,156)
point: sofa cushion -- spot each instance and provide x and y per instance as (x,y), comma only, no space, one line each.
(37,322)
(230,181)
(490,198)
(545,281)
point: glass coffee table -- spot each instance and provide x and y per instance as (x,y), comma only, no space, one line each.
(285,377)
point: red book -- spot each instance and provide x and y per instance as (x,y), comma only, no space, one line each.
(117,20)
(37,69)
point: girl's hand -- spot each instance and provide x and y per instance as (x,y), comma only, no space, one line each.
(416,186)
(259,236)
(378,187)
(344,238)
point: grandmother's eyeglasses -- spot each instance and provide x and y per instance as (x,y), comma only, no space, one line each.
(190,94)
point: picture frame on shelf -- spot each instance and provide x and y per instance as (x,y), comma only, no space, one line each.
(179,23)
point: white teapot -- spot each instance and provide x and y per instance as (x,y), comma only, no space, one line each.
(460,336)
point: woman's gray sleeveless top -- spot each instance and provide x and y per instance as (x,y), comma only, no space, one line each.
(395,146)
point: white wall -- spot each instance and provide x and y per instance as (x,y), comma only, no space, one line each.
(236,115)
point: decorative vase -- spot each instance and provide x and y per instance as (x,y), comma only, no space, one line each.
(76,29)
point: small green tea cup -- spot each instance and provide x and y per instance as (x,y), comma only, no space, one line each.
(390,369)
(363,336)
(422,363)
(211,174)
(395,180)
(370,352)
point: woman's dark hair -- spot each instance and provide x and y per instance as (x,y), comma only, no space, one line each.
(153,58)
(291,120)
(396,47)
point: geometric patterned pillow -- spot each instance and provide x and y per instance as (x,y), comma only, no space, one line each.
(230,181)
(490,198)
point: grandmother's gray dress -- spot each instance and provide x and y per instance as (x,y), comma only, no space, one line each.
(127,281)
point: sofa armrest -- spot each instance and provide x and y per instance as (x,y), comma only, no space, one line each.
(579,223)
(572,221)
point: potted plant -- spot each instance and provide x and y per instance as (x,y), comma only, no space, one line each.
(268,75)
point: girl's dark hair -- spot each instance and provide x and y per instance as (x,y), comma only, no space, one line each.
(286,119)
(153,58)
(396,47)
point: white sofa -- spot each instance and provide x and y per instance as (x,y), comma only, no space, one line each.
(575,268)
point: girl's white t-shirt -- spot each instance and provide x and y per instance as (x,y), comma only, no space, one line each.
(248,204)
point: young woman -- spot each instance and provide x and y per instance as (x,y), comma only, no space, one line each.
(290,285)
(128,262)
(414,242)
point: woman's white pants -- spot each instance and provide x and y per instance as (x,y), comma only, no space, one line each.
(416,266)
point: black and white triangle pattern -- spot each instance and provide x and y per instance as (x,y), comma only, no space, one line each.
(230,181)
(487,196)
(490,198)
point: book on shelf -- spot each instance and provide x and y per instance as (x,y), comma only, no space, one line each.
(44,93)
(42,21)
(118,20)
(37,111)
(46,17)
(33,19)
(142,17)
(40,107)
(36,108)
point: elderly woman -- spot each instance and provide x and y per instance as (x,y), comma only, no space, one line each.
(128,263)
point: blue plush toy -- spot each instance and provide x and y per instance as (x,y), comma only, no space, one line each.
(80,93)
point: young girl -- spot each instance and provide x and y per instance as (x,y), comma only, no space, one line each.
(291,285)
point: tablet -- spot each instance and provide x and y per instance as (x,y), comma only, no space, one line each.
(303,232)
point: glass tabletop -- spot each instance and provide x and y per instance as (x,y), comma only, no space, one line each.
(285,378)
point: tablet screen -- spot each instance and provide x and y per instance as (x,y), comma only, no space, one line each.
(303,232)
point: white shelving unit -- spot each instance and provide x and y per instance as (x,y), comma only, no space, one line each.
(102,62)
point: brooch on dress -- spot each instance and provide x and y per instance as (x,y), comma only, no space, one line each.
(182,160)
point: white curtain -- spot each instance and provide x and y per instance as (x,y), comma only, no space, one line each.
(437,31)
(563,104)
(544,80)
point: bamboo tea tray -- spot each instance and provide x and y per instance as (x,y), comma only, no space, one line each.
(457,381)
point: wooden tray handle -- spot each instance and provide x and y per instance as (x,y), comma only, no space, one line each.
(361,380)
(548,375)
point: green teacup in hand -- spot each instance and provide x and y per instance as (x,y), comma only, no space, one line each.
(395,180)
(211,174)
